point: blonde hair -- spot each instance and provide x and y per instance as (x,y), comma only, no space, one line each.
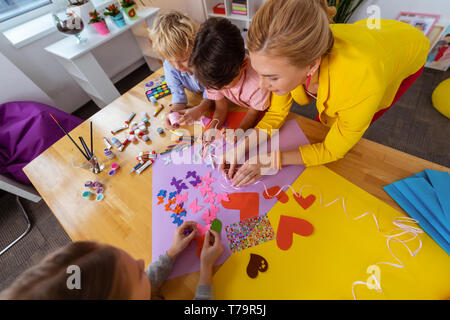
(101,277)
(295,29)
(173,35)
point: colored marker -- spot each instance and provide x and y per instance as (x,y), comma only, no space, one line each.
(157,111)
(107,144)
(130,117)
(137,166)
(119,129)
(117,143)
(145,166)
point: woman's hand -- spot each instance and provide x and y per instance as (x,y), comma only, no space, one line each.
(184,234)
(228,163)
(231,136)
(251,171)
(212,249)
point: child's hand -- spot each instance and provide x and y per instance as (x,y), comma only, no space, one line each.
(177,107)
(188,116)
(184,234)
(212,249)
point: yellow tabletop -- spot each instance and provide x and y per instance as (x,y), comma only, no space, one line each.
(124,218)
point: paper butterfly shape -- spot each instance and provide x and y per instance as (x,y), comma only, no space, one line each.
(182,198)
(194,207)
(208,217)
(222,197)
(205,190)
(192,174)
(177,220)
(214,210)
(207,179)
(201,229)
(160,200)
(172,194)
(167,207)
(178,209)
(178,184)
(162,193)
(183,213)
(198,181)
(167,160)
(210,197)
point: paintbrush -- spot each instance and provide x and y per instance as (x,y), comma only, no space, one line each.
(65,132)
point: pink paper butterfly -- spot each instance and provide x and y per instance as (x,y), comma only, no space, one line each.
(222,197)
(207,179)
(205,190)
(210,197)
(182,198)
(214,209)
(195,208)
(201,229)
(208,217)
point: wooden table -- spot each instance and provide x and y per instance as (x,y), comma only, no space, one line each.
(124,218)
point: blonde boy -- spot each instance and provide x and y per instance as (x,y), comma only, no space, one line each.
(173,35)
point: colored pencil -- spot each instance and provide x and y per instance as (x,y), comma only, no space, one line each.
(65,132)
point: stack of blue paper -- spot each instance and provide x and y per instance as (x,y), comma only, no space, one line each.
(425,196)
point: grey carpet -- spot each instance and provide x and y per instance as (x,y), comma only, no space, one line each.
(45,236)
(412,126)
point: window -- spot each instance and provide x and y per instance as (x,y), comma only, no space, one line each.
(12,8)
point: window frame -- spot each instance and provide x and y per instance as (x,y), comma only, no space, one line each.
(56,5)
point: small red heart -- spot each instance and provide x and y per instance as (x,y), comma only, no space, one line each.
(305,203)
(282,196)
(288,226)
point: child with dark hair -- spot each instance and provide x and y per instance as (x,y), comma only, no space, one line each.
(222,67)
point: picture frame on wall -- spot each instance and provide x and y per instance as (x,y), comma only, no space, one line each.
(439,56)
(422,21)
(434,34)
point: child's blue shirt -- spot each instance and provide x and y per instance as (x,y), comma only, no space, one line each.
(177,81)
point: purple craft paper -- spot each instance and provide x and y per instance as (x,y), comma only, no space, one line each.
(291,136)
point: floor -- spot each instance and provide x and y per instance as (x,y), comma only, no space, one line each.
(412,126)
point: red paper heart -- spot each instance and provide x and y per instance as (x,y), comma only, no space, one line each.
(288,226)
(282,196)
(305,203)
(200,240)
(246,203)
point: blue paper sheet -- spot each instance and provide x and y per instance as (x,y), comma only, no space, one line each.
(414,213)
(422,196)
(441,184)
(425,196)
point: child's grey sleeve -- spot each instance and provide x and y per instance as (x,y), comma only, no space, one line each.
(158,271)
(204,292)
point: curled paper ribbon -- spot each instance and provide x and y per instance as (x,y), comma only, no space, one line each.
(402,224)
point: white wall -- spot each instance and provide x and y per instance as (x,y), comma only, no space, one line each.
(391,8)
(192,8)
(15,86)
(116,56)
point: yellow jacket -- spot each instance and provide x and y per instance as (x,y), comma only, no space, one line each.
(359,77)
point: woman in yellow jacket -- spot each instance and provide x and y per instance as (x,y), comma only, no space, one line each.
(355,73)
